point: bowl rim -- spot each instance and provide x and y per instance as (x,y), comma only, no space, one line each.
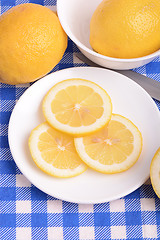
(92,52)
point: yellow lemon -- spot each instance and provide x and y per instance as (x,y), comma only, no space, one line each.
(54,152)
(113,149)
(77,107)
(126,29)
(155,172)
(32,42)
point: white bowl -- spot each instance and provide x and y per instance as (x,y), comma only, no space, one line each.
(75,16)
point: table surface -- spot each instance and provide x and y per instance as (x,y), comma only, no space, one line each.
(28,213)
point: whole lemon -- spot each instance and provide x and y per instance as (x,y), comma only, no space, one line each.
(32,42)
(126,28)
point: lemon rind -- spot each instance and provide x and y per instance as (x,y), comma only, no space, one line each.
(155,172)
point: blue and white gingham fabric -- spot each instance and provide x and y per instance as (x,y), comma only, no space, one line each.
(28,213)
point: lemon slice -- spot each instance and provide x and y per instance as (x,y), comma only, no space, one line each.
(77,107)
(113,149)
(155,172)
(54,152)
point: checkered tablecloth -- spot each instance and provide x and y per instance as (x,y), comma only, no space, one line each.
(28,213)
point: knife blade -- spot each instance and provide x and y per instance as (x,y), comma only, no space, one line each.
(150,85)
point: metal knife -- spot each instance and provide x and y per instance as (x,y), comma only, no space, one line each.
(150,85)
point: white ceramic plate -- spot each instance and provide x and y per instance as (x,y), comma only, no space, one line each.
(128,99)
